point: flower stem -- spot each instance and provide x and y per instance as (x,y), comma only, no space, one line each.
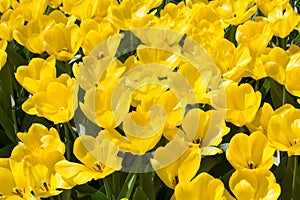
(294,174)
(67,142)
(107,189)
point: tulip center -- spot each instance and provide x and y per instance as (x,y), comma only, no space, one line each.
(19,192)
(65,49)
(198,141)
(45,186)
(251,165)
(99,166)
(175,181)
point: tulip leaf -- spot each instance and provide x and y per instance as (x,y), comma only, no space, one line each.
(208,162)
(279,95)
(98,196)
(128,186)
(87,190)
(147,184)
(8,126)
(265,88)
(6,151)
(139,194)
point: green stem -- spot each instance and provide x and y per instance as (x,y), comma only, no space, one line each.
(294,174)
(283,95)
(72,130)
(282,43)
(107,189)
(67,142)
(256,85)
(127,186)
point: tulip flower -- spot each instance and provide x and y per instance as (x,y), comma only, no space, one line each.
(31,9)
(4,5)
(30,76)
(31,35)
(55,100)
(95,33)
(242,110)
(3,54)
(203,186)
(283,20)
(133,14)
(248,185)
(292,71)
(261,120)
(256,35)
(250,152)
(63,41)
(10,20)
(234,12)
(283,130)
(99,158)
(205,129)
(175,163)
(275,64)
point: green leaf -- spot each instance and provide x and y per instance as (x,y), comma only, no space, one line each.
(127,186)
(98,196)
(139,194)
(280,95)
(87,190)
(265,88)
(208,162)
(146,182)
(6,151)
(8,126)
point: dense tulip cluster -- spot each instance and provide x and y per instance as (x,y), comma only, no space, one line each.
(240,138)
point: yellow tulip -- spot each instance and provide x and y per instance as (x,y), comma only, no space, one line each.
(54,3)
(267,5)
(3,54)
(55,100)
(81,9)
(261,120)
(231,61)
(275,64)
(99,158)
(30,76)
(292,71)
(97,104)
(203,186)
(29,171)
(4,5)
(283,130)
(205,129)
(256,35)
(283,20)
(63,41)
(203,11)
(40,138)
(31,9)
(206,33)
(133,14)
(31,35)
(10,20)
(256,69)
(247,185)
(242,110)
(182,169)
(95,32)
(234,12)
(250,152)
(175,17)
(13,187)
